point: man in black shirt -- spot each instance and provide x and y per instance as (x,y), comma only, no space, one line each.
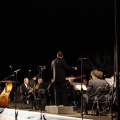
(59,67)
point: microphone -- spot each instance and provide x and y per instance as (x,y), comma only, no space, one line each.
(16,70)
(82,58)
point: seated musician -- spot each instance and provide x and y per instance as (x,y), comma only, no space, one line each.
(33,82)
(26,92)
(43,89)
(85,82)
(93,84)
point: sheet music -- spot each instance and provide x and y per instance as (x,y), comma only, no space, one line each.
(111,82)
(83,87)
(77,86)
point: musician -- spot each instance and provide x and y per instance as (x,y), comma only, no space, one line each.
(85,82)
(41,83)
(59,67)
(94,83)
(41,93)
(27,92)
(100,75)
(33,82)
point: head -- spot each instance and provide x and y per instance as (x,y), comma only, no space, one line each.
(100,75)
(26,80)
(34,78)
(94,73)
(59,54)
(85,81)
(40,80)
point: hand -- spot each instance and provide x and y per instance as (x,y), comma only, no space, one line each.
(30,90)
(71,80)
(52,80)
(75,68)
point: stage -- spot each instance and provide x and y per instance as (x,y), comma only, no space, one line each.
(11,114)
(17,113)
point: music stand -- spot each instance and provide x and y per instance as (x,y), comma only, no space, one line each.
(111,82)
(77,86)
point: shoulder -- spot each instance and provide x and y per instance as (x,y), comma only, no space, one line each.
(22,85)
(90,81)
(53,60)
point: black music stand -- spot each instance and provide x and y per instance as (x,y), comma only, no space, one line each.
(77,86)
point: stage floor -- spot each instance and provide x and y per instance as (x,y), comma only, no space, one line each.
(15,111)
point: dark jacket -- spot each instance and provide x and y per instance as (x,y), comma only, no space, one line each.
(23,89)
(93,86)
(59,66)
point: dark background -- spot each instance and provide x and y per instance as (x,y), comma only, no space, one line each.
(32,32)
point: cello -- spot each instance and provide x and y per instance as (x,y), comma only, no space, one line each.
(4,96)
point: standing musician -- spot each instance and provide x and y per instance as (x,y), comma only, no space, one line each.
(27,92)
(59,67)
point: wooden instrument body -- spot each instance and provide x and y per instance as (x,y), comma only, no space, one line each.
(4,96)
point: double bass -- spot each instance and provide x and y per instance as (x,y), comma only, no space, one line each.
(4,96)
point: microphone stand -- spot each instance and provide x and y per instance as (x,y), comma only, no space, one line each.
(29,74)
(16,112)
(10,68)
(8,77)
(40,71)
(81,68)
(41,112)
(81,90)
(40,104)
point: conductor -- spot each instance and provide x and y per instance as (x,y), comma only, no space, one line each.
(59,67)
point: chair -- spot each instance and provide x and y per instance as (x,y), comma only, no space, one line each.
(102,105)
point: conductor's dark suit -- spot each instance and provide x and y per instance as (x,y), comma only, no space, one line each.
(59,67)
